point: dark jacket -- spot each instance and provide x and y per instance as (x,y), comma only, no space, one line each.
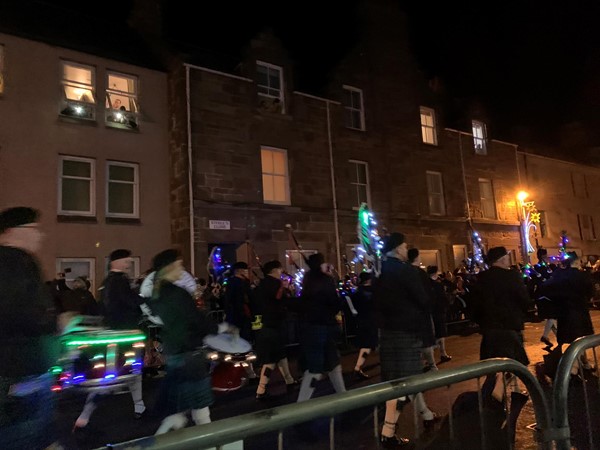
(571,290)
(499,300)
(441,302)
(271,301)
(400,298)
(237,302)
(80,301)
(185,326)
(27,321)
(120,303)
(320,301)
(362,300)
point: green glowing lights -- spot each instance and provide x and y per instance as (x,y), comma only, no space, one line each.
(106,340)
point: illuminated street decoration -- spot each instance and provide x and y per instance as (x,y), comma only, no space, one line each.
(530,220)
(368,252)
(115,339)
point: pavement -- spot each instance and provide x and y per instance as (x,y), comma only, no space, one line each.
(114,420)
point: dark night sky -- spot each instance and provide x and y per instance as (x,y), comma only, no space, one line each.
(530,64)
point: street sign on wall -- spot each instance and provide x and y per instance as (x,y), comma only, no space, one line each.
(219,224)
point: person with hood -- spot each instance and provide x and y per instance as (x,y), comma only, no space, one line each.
(403,315)
(27,332)
(188,388)
(319,306)
(79,300)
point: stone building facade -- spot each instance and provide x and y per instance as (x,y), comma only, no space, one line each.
(265,158)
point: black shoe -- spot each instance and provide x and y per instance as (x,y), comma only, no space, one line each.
(429,368)
(429,424)
(360,375)
(445,358)
(141,415)
(394,442)
(291,387)
(546,341)
(262,397)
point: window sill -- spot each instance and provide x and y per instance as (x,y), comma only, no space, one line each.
(362,130)
(63,218)
(123,127)
(78,120)
(124,220)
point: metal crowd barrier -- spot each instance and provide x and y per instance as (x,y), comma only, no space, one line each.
(560,392)
(219,433)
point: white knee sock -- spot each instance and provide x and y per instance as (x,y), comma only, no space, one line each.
(429,356)
(172,422)
(201,416)
(88,410)
(442,344)
(307,386)
(421,406)
(135,387)
(336,378)
(284,368)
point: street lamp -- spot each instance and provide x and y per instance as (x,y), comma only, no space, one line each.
(521,196)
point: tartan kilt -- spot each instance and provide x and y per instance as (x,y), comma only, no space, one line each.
(400,354)
(503,344)
(270,346)
(182,394)
(319,348)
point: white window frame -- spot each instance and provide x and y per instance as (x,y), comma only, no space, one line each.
(128,115)
(136,188)
(354,182)
(425,127)
(92,180)
(84,110)
(460,253)
(352,108)
(296,256)
(482,199)
(286,176)
(280,96)
(431,195)
(2,68)
(479,137)
(69,275)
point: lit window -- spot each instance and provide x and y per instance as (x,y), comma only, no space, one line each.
(275,178)
(2,69)
(479,138)
(76,186)
(359,182)
(270,87)
(353,108)
(587,231)
(486,195)
(428,130)
(78,90)
(435,191)
(122,101)
(122,190)
(77,267)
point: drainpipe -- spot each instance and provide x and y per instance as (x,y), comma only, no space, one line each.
(336,224)
(190,170)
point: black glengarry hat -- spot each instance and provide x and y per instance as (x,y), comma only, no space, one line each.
(119,254)
(17,216)
(392,241)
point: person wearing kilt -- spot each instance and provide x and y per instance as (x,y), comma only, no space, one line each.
(500,302)
(319,306)
(403,315)
(367,336)
(272,298)
(187,385)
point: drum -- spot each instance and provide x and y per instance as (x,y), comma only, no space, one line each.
(231,358)
(96,358)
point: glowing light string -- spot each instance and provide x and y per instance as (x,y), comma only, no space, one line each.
(368,252)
